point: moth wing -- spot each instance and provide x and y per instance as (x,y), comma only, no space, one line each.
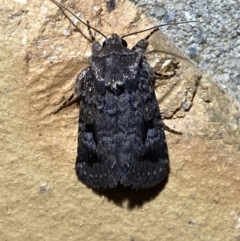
(148,163)
(94,165)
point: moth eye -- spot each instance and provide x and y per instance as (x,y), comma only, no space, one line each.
(104,43)
(124,43)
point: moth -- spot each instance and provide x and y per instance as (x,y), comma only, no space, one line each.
(121,136)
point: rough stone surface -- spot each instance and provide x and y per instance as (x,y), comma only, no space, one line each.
(214,38)
(41,199)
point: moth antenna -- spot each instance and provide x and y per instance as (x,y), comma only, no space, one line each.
(63,8)
(151,33)
(155,28)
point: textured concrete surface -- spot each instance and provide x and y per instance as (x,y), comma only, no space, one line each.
(212,42)
(41,198)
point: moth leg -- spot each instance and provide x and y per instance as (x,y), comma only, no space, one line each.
(169,129)
(76,95)
(72,99)
(141,47)
(151,33)
(142,44)
(159,78)
(163,76)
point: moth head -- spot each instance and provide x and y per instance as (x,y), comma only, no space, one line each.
(115,39)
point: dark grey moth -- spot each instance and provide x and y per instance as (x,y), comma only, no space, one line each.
(121,136)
